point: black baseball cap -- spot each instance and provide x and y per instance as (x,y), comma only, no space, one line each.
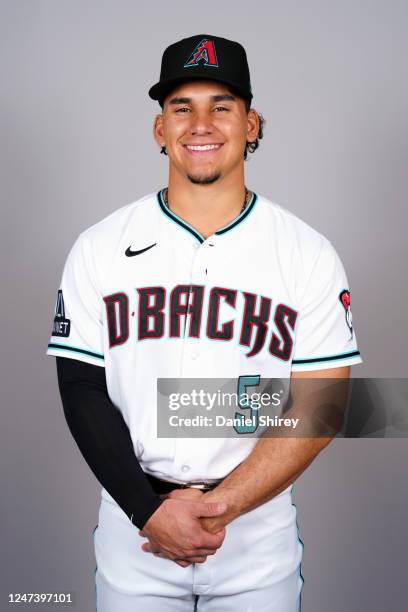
(203,57)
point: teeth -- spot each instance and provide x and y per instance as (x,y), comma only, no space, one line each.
(203,147)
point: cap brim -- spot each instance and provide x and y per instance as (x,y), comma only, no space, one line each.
(160,90)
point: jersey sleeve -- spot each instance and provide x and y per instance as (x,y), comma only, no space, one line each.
(324,333)
(77,331)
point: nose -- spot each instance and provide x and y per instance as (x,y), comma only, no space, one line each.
(201,124)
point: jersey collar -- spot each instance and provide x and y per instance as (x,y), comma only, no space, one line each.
(171,215)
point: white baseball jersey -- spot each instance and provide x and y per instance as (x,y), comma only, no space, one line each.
(144,295)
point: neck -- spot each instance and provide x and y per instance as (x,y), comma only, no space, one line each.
(206,207)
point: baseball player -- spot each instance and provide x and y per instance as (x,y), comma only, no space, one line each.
(204,278)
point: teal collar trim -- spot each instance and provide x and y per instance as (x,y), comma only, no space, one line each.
(170,214)
(176,219)
(243,215)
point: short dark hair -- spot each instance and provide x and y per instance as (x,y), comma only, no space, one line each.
(250,147)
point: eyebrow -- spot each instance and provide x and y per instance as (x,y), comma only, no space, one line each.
(216,98)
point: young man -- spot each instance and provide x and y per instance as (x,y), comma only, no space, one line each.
(205,279)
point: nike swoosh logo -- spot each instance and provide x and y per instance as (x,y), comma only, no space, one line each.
(130,253)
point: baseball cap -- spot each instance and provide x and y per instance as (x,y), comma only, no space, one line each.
(203,57)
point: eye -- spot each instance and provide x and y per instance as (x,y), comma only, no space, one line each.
(221,108)
(183,109)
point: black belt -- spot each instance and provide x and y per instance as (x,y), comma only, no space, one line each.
(162,487)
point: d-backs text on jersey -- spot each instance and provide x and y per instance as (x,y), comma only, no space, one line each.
(180,312)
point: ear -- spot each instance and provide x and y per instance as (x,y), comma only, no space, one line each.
(158,131)
(252,125)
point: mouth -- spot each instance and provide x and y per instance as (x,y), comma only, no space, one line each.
(203,149)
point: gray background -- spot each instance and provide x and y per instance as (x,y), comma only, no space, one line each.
(330,78)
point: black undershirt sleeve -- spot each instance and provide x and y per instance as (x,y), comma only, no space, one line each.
(103,438)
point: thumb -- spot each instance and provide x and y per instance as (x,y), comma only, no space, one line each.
(210,508)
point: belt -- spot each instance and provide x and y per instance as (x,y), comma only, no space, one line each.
(162,487)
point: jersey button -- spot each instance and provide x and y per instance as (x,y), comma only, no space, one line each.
(185,468)
(194,355)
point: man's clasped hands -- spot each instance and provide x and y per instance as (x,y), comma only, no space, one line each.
(187,527)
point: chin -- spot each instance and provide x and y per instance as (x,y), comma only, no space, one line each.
(204,179)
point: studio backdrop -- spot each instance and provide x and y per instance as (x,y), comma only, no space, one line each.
(329,77)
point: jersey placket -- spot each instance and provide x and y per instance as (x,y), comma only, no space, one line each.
(194,354)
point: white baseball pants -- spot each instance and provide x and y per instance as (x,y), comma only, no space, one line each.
(257,567)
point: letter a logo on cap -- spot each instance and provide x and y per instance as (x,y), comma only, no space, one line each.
(203,55)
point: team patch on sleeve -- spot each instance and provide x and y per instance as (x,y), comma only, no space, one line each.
(345,301)
(62,325)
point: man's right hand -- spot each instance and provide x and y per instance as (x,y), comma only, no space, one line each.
(174,531)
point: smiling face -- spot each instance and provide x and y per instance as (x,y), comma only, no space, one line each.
(205,128)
